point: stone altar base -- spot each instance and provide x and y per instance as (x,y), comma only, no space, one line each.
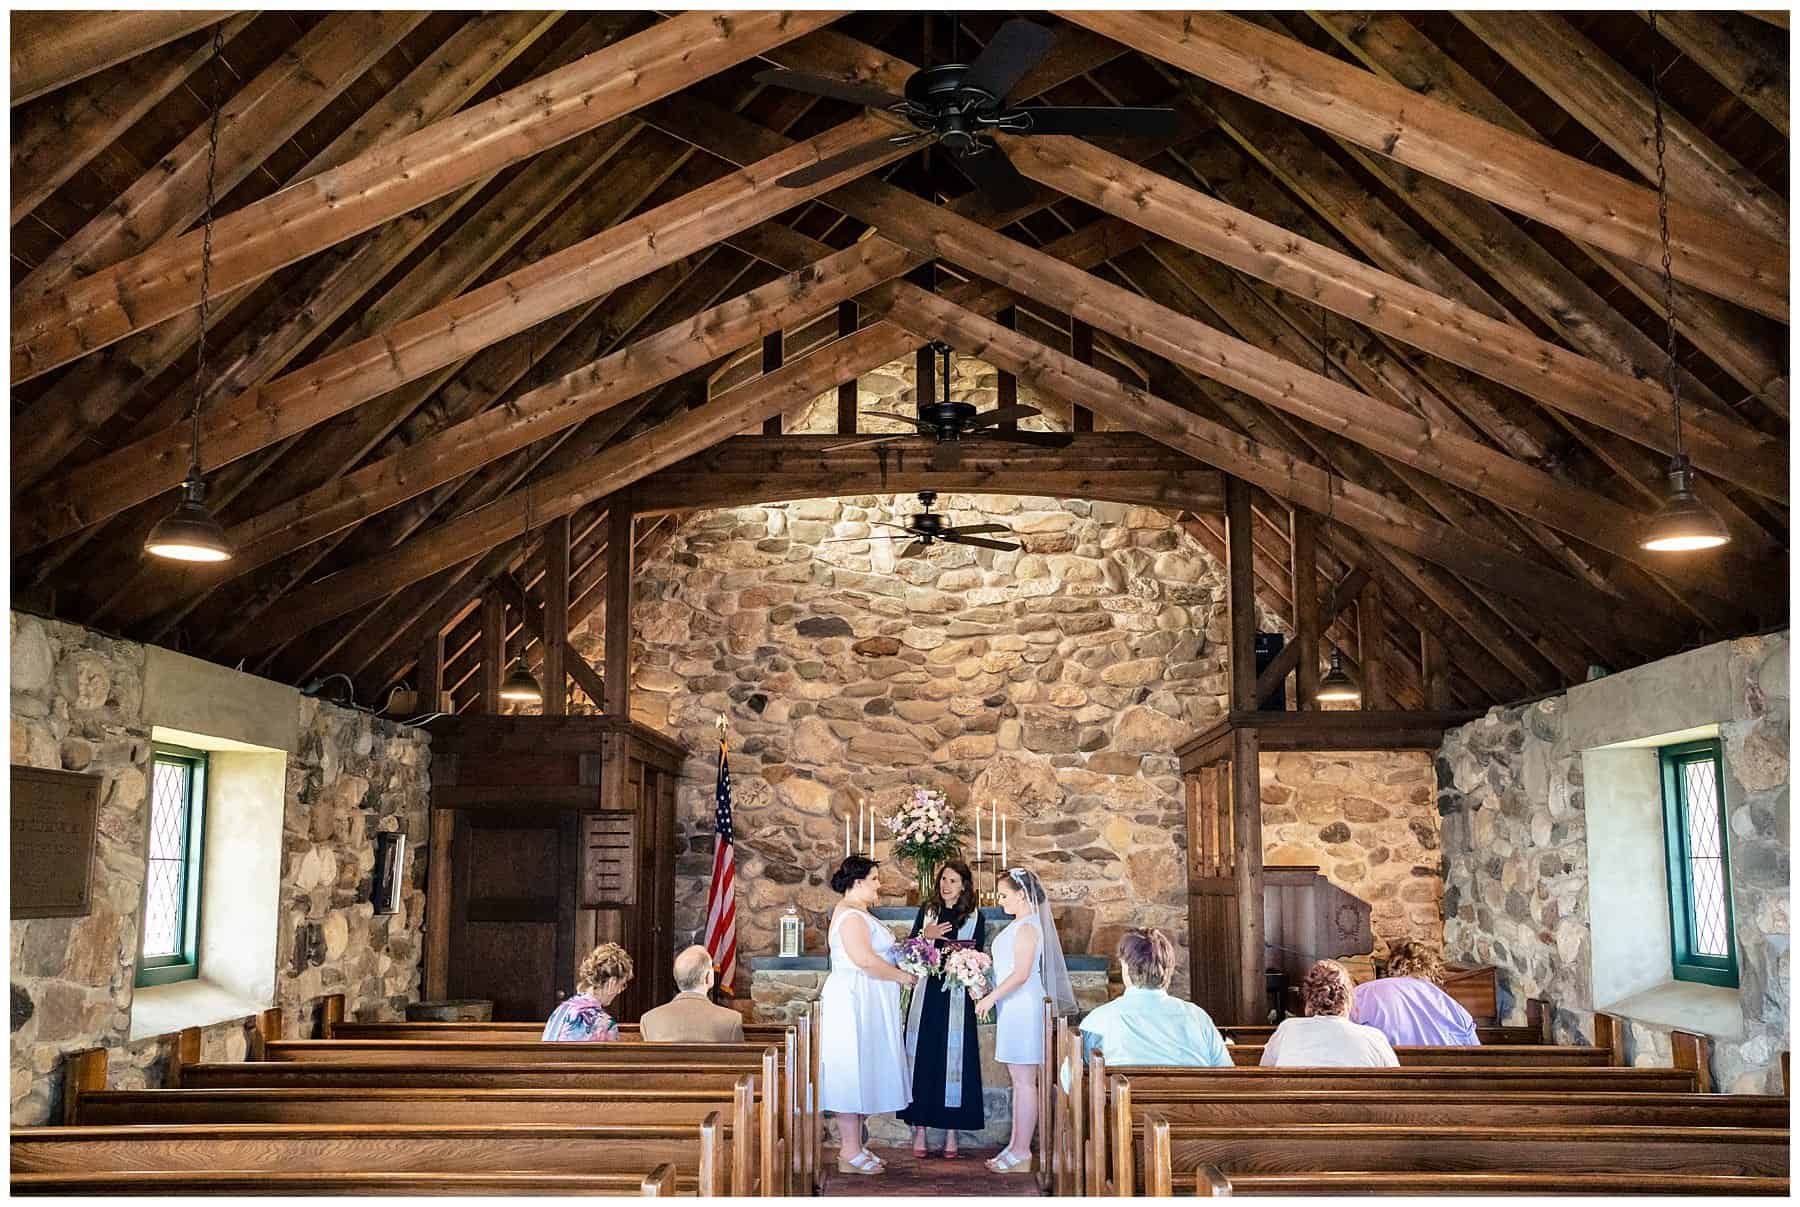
(781,989)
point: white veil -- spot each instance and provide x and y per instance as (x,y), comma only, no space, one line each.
(1050,955)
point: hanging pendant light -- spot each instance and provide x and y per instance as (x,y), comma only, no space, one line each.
(1682,523)
(521,685)
(191,533)
(1337,687)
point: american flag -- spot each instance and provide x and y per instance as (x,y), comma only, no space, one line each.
(721,898)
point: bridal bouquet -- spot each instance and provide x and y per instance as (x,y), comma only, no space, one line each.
(926,833)
(919,956)
(969,968)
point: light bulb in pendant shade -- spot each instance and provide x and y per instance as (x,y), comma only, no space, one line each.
(521,686)
(1337,687)
(189,533)
(1683,523)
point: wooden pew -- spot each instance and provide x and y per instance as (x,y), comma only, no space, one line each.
(696,1152)
(751,1148)
(1372,1148)
(414,1053)
(658,1183)
(1154,1081)
(1538,1013)
(1210,1183)
(1540,1056)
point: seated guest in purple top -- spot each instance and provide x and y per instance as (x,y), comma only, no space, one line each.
(1408,1007)
(584,1018)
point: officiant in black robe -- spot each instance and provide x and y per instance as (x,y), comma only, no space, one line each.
(941,1036)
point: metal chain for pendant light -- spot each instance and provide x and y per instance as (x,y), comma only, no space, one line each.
(1662,219)
(206,239)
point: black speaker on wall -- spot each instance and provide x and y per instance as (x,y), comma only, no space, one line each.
(1268,647)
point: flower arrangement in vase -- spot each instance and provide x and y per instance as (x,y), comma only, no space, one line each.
(926,833)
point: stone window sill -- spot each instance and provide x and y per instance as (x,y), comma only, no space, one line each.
(165,1009)
(1703,1009)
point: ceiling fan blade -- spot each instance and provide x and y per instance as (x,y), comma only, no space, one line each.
(993,173)
(946,455)
(1039,439)
(912,419)
(1099,121)
(914,549)
(976,529)
(823,85)
(865,443)
(1017,410)
(979,542)
(1017,48)
(831,165)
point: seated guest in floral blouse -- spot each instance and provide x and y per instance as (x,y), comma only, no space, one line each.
(1407,1004)
(583,1018)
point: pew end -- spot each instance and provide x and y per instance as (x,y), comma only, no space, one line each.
(1209,1183)
(83,1072)
(1159,1182)
(1609,1033)
(659,1183)
(1539,1014)
(1693,1053)
(331,1015)
(267,1030)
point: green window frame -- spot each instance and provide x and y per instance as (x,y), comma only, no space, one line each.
(1702,936)
(178,832)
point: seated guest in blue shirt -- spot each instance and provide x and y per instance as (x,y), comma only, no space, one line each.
(1144,1025)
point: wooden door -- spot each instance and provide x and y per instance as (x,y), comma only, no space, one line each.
(1212,894)
(512,923)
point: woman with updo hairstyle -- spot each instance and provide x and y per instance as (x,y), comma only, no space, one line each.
(1144,1025)
(862,1059)
(1326,1038)
(583,1018)
(1407,1004)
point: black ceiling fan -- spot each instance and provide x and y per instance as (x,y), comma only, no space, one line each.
(928,526)
(953,422)
(959,106)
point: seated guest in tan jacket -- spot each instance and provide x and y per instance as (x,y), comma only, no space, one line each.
(691,1018)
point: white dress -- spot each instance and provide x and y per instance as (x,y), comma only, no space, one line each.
(862,1047)
(1019,1025)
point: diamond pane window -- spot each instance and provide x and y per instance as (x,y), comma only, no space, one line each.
(172,874)
(1700,929)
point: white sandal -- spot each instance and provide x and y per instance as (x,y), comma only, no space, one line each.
(1009,1162)
(864,1162)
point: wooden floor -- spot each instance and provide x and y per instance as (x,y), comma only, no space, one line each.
(907,1176)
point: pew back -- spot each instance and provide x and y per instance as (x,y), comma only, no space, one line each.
(1210,1183)
(658,1183)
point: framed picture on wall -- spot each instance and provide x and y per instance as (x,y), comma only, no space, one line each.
(390,872)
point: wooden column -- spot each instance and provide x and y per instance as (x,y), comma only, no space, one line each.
(431,671)
(1081,347)
(925,376)
(1303,567)
(1240,593)
(437,905)
(618,608)
(1008,385)
(771,361)
(556,617)
(1371,637)
(493,650)
(1247,838)
(846,325)
(1434,670)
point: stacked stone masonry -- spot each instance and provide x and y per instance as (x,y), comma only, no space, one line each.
(77,705)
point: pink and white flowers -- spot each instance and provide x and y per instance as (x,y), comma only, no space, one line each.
(969,968)
(925,830)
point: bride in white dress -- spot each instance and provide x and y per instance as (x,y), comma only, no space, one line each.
(862,1050)
(1028,967)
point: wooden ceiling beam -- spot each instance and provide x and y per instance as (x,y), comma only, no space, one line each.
(54,48)
(96,388)
(389,180)
(57,138)
(1441,141)
(1616,108)
(263,115)
(1733,340)
(1748,61)
(1396,307)
(444,334)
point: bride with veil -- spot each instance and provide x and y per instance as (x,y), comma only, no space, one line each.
(1028,967)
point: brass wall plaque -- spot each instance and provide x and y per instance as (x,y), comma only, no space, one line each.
(608,859)
(53,820)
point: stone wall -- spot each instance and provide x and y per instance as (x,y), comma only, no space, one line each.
(1513,801)
(1370,822)
(77,704)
